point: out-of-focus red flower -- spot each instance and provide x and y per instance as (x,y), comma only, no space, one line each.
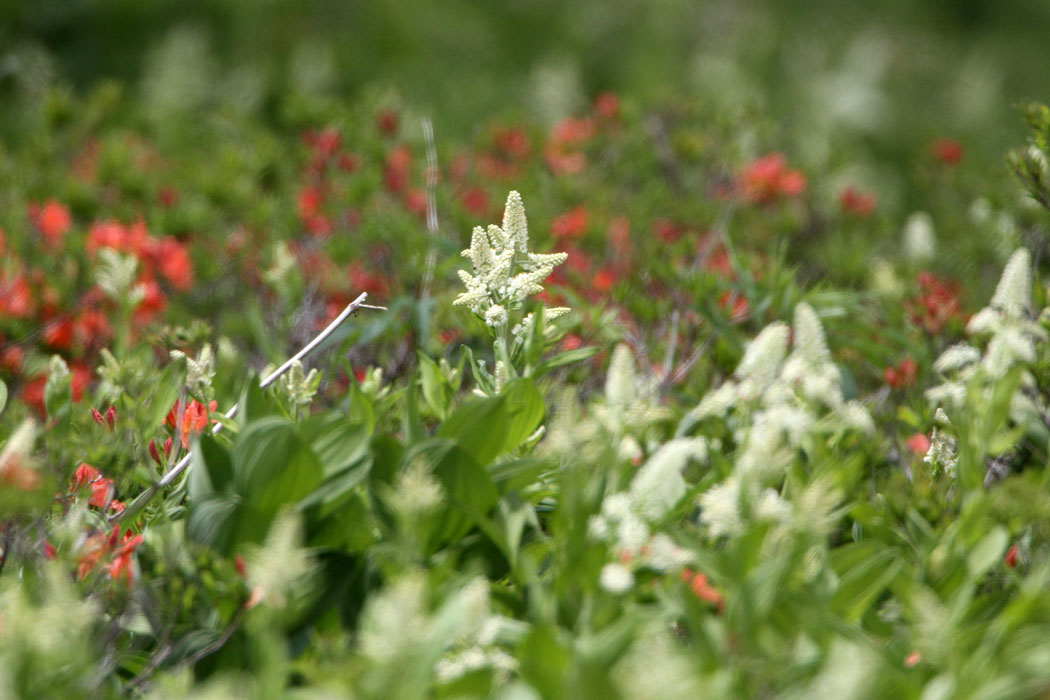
(903,375)
(913,660)
(52,220)
(168,197)
(361,280)
(16,298)
(11,359)
(607,106)
(572,131)
(578,262)
(948,151)
(768,178)
(398,168)
(416,202)
(59,333)
(82,375)
(619,234)
(512,142)
(919,444)
(33,393)
(734,304)
(121,563)
(101,488)
(571,342)
(666,230)
(1011,556)
(328,142)
(475,200)
(194,418)
(132,239)
(561,152)
(571,224)
(700,587)
(153,302)
(173,261)
(853,201)
(388,122)
(936,305)
(93,328)
(311,198)
(603,280)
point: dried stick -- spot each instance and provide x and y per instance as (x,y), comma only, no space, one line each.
(184,463)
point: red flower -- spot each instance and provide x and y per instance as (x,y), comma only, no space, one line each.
(53,221)
(919,444)
(398,167)
(735,305)
(172,259)
(388,122)
(153,302)
(121,563)
(13,474)
(475,201)
(903,375)
(937,304)
(168,197)
(854,201)
(194,418)
(607,106)
(59,333)
(701,589)
(311,198)
(101,487)
(11,359)
(948,151)
(512,142)
(768,178)
(16,299)
(572,224)
(1011,556)
(603,280)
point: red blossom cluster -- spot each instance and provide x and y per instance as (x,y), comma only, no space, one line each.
(100,488)
(948,151)
(857,202)
(701,588)
(326,155)
(768,179)
(563,150)
(192,421)
(903,375)
(119,550)
(936,304)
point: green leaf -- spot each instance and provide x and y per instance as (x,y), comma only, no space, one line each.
(436,390)
(256,403)
(165,393)
(566,358)
(864,570)
(211,469)
(987,552)
(273,466)
(336,441)
(487,427)
(359,405)
(212,521)
(3,395)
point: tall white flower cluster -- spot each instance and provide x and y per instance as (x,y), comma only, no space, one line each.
(630,406)
(656,489)
(1012,335)
(775,404)
(505,272)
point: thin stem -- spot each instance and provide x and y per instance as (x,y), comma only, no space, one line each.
(184,463)
(432,217)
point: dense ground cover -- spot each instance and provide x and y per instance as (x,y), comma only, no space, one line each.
(666,397)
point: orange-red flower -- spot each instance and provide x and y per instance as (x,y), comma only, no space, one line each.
(194,418)
(903,375)
(52,220)
(854,201)
(768,178)
(948,151)
(701,588)
(101,487)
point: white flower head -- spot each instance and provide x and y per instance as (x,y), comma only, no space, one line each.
(1013,295)
(764,354)
(919,240)
(658,486)
(616,578)
(720,508)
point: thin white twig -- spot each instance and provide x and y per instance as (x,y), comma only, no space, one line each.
(184,463)
(432,217)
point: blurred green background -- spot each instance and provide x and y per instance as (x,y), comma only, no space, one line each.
(892,70)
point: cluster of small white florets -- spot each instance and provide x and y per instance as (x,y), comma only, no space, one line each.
(498,253)
(774,404)
(656,489)
(631,404)
(1013,334)
(776,397)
